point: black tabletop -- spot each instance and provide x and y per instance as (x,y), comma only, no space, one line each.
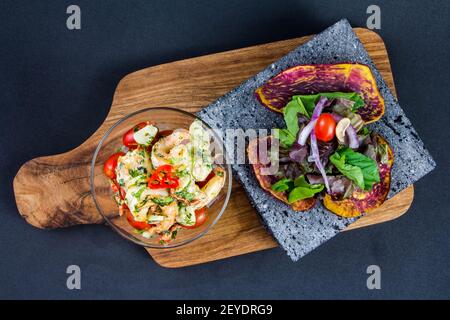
(56,87)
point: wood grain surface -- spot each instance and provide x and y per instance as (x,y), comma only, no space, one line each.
(53,191)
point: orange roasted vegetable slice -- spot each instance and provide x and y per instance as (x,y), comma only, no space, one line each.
(365,201)
(312,79)
(266,181)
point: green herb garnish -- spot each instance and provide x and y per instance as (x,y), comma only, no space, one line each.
(362,170)
(298,189)
(137,172)
(163,201)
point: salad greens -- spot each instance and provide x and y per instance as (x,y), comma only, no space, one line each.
(303,190)
(304,105)
(382,151)
(362,170)
(298,189)
(310,101)
(288,136)
(283,185)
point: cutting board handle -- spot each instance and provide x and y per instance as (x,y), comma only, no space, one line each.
(54,192)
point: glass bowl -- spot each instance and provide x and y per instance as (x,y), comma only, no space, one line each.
(165,119)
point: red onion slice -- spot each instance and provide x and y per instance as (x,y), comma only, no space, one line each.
(353,141)
(319,107)
(315,153)
(303,136)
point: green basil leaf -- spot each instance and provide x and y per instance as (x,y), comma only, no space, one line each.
(285,137)
(297,190)
(301,182)
(354,173)
(290,113)
(303,190)
(309,102)
(357,167)
(284,184)
(369,167)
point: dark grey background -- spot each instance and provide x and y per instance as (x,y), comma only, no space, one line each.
(56,88)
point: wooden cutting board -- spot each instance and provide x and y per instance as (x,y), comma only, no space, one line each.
(53,192)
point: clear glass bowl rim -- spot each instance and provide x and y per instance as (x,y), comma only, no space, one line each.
(92,171)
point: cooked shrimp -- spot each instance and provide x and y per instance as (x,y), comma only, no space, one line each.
(180,156)
(131,166)
(210,191)
(139,200)
(159,200)
(186,216)
(170,213)
(161,150)
(186,191)
(201,168)
(155,193)
(201,159)
(167,236)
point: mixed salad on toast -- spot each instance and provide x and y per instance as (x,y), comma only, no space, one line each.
(325,149)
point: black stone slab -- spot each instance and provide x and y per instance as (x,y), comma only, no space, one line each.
(300,232)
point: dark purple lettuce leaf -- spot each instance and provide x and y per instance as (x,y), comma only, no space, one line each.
(284,156)
(369,147)
(326,149)
(339,185)
(298,153)
(315,178)
(371,152)
(343,107)
(302,120)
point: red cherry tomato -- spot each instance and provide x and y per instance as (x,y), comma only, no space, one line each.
(109,167)
(128,137)
(325,127)
(200,218)
(136,224)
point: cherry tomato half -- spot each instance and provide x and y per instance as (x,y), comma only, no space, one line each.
(136,224)
(325,127)
(128,138)
(109,167)
(200,218)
